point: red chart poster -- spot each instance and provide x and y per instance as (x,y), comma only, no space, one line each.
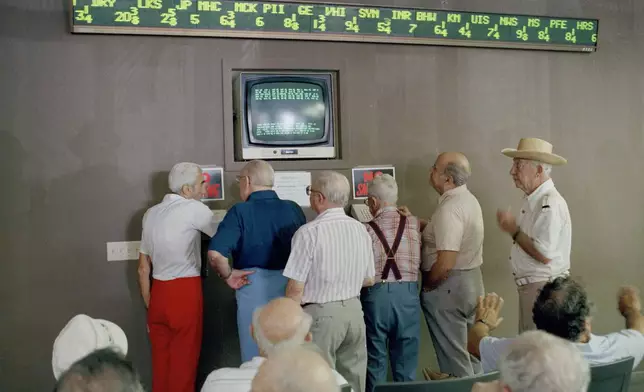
(214,177)
(361,176)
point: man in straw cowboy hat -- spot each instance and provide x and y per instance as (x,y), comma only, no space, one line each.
(542,233)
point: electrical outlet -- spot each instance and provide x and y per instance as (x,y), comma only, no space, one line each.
(124,250)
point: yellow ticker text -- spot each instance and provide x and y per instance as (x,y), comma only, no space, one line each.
(103,3)
(369,13)
(508,21)
(209,6)
(153,4)
(275,9)
(453,18)
(480,19)
(244,7)
(557,24)
(423,16)
(184,5)
(335,11)
(534,22)
(401,15)
(305,10)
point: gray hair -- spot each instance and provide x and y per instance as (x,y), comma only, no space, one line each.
(260,173)
(546,167)
(459,174)
(539,362)
(384,187)
(102,370)
(334,186)
(184,173)
(268,347)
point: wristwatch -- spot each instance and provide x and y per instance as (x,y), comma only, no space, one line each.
(516,234)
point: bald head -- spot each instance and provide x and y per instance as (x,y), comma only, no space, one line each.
(281,323)
(453,170)
(295,370)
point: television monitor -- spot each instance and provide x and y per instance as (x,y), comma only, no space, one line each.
(286,116)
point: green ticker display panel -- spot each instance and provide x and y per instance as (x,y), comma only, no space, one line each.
(333,22)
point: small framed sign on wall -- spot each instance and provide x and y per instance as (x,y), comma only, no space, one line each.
(214,177)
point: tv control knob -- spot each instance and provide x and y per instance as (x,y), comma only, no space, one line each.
(274,152)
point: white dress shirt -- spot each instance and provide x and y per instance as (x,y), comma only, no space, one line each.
(172,236)
(240,379)
(332,256)
(456,225)
(546,220)
(599,350)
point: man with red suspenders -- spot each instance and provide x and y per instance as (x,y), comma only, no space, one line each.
(391,306)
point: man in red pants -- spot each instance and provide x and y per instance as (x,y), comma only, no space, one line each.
(170,249)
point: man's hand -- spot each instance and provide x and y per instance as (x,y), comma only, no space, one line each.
(493,386)
(238,278)
(629,301)
(488,309)
(403,210)
(506,221)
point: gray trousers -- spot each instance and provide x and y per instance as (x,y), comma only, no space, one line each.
(338,329)
(527,296)
(449,311)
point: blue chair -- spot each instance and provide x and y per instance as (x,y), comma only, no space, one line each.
(463,384)
(612,377)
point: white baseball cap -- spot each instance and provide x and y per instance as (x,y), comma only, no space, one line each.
(81,336)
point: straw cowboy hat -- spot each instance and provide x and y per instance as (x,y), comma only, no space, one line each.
(535,150)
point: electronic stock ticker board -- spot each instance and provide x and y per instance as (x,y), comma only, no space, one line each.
(333,22)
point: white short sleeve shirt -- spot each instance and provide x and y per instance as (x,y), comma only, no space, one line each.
(545,218)
(240,379)
(456,225)
(599,350)
(172,236)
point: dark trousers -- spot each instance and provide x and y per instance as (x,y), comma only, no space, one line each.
(392,318)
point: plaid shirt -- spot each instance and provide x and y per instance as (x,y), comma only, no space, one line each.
(408,254)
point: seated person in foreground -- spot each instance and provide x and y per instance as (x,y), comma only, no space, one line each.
(295,370)
(280,324)
(563,309)
(539,362)
(81,336)
(101,371)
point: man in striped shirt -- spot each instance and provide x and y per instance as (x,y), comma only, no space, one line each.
(331,260)
(391,306)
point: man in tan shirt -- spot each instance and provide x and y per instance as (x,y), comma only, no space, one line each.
(451,256)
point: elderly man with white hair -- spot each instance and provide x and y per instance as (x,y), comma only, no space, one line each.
(170,250)
(542,234)
(540,362)
(332,259)
(391,306)
(295,370)
(257,234)
(280,324)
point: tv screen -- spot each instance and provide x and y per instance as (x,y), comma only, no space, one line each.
(286,115)
(291,112)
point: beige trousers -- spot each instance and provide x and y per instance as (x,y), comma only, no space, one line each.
(338,329)
(527,296)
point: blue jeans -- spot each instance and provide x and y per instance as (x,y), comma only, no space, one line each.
(392,318)
(265,285)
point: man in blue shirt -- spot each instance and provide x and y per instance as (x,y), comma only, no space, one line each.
(257,234)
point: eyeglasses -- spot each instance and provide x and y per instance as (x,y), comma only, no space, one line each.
(309,190)
(238,178)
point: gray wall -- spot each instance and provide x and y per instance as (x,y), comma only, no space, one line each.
(89,126)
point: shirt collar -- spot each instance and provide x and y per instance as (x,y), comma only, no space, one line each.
(535,196)
(452,192)
(593,344)
(254,363)
(172,196)
(386,209)
(262,195)
(332,212)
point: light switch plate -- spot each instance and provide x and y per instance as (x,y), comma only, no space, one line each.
(123,251)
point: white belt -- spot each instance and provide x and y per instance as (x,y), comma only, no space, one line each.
(531,279)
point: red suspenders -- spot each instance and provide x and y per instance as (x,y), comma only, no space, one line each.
(391,252)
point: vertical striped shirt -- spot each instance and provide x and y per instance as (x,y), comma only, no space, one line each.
(332,256)
(408,255)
